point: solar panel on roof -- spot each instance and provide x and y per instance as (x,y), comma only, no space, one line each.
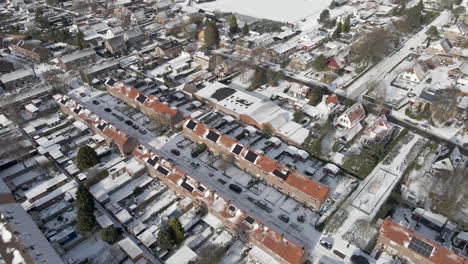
(110,82)
(213,136)
(101,126)
(153,161)
(237,149)
(187,186)
(251,156)
(141,98)
(77,110)
(64,101)
(422,248)
(191,125)
(249,220)
(162,170)
(280,174)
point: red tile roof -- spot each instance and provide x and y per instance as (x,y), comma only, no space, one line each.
(265,236)
(332,99)
(402,236)
(151,102)
(296,180)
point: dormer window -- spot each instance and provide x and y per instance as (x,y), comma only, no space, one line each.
(213,136)
(251,156)
(231,210)
(249,221)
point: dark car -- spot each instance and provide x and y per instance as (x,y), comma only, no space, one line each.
(129,122)
(107,109)
(284,218)
(96,102)
(358,259)
(175,152)
(235,188)
(325,244)
(195,164)
(135,126)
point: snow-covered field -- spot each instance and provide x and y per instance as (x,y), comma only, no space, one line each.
(278,10)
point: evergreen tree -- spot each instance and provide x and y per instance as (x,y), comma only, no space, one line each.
(324,16)
(420,5)
(258,79)
(85,220)
(347,24)
(320,63)
(245,29)
(233,24)
(432,32)
(86,157)
(336,34)
(165,240)
(177,230)
(211,33)
(110,234)
(298,115)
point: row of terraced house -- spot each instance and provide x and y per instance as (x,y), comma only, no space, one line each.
(234,219)
(284,179)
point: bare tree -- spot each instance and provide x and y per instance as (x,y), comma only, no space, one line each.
(445,105)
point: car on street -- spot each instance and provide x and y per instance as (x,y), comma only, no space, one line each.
(175,152)
(263,205)
(195,164)
(326,244)
(142,131)
(96,102)
(235,188)
(107,109)
(284,218)
(135,126)
(129,122)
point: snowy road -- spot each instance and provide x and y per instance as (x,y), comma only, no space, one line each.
(381,70)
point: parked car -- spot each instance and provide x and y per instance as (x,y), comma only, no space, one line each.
(235,188)
(107,109)
(195,164)
(263,205)
(284,218)
(175,152)
(135,126)
(325,244)
(142,131)
(96,102)
(129,122)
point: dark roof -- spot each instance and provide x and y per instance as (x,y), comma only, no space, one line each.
(110,82)
(141,98)
(117,41)
(191,125)
(77,109)
(249,220)
(281,175)
(445,155)
(213,136)
(6,66)
(232,208)
(237,149)
(162,170)
(187,186)
(223,93)
(427,96)
(201,188)
(64,100)
(153,161)
(101,126)
(251,156)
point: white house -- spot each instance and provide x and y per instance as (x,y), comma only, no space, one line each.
(415,73)
(351,117)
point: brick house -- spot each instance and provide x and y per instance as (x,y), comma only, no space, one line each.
(148,104)
(286,180)
(30,50)
(400,241)
(77,59)
(238,222)
(111,134)
(17,79)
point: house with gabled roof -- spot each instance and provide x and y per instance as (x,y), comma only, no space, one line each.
(300,188)
(400,241)
(231,216)
(379,130)
(146,103)
(415,73)
(448,159)
(116,45)
(351,117)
